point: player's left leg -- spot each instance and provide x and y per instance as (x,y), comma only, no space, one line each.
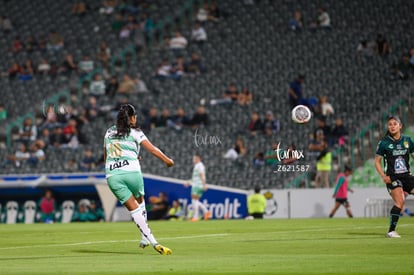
(333,211)
(348,209)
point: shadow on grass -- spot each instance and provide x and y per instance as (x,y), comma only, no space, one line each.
(90,251)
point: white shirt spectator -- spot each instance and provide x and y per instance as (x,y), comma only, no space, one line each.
(97,88)
(199,34)
(324,19)
(178,43)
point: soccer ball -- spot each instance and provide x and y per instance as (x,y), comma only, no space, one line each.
(301,114)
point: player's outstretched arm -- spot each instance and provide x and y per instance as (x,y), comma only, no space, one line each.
(157,152)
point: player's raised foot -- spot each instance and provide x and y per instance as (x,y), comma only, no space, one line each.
(393,234)
(207,215)
(162,249)
(143,244)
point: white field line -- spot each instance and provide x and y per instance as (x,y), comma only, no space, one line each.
(201,236)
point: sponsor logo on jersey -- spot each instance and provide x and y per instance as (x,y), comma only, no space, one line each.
(406,144)
(399,152)
(118,164)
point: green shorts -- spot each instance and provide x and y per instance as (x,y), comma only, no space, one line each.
(126,185)
(198,191)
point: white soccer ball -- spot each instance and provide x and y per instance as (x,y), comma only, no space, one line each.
(301,114)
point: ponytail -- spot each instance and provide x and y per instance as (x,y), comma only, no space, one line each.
(123,126)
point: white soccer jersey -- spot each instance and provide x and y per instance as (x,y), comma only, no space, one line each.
(197,170)
(122,153)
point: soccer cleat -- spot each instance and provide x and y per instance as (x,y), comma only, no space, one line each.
(393,234)
(162,249)
(143,244)
(207,215)
(195,219)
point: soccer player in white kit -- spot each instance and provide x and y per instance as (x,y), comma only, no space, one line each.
(198,187)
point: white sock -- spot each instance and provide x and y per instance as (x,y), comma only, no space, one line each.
(140,221)
(144,213)
(194,203)
(202,207)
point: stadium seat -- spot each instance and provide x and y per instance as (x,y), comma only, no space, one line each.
(11,212)
(29,212)
(67,211)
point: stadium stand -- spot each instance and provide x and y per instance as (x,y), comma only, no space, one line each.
(251,46)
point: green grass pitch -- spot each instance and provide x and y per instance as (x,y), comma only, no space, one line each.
(297,246)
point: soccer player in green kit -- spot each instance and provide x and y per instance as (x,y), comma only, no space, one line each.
(396,149)
(123,171)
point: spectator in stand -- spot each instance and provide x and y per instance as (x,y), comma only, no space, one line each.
(151,119)
(44,67)
(55,41)
(259,159)
(163,70)
(88,162)
(296,22)
(112,86)
(21,155)
(200,118)
(97,86)
(108,7)
(325,107)
(179,120)
(296,91)
(92,108)
(365,48)
(321,126)
(118,23)
(245,98)
(237,151)
(139,85)
(17,45)
(178,42)
(86,65)
(127,85)
(382,47)
(47,207)
(339,133)
(29,67)
(323,19)
(323,167)
(198,34)
(25,75)
(316,144)
(71,133)
(403,70)
(412,57)
(71,165)
(6,24)
(57,138)
(195,66)
(202,13)
(158,206)
(28,131)
(15,70)
(256,125)
(3,113)
(68,66)
(31,44)
(165,116)
(214,13)
(271,124)
(104,55)
(79,8)
(231,95)
(178,67)
(42,44)
(37,155)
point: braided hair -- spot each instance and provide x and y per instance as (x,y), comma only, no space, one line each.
(123,126)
